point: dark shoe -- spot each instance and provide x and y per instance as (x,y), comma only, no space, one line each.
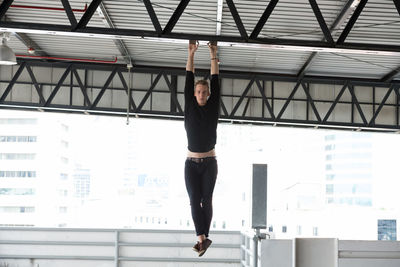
(204,246)
(196,247)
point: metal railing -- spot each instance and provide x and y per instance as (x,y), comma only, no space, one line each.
(116,245)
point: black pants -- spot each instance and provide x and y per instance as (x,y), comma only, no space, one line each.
(200,180)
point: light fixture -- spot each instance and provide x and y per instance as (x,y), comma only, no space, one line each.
(7,56)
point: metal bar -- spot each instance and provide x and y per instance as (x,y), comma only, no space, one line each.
(335,102)
(357,104)
(246,107)
(71,87)
(397,4)
(263,19)
(288,100)
(149,91)
(30,44)
(307,105)
(289,44)
(70,13)
(83,88)
(103,13)
(223,73)
(175,17)
(223,107)
(389,77)
(307,64)
(340,19)
(220,8)
(153,16)
(35,83)
(116,252)
(261,89)
(57,257)
(396,89)
(351,89)
(306,90)
(87,16)
(351,22)
(60,82)
(242,97)
(86,85)
(237,19)
(4,7)
(12,82)
(102,91)
(321,21)
(125,85)
(173,93)
(109,230)
(372,121)
(272,94)
(262,104)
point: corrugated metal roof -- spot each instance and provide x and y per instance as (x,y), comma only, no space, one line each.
(292,19)
(378,23)
(354,65)
(48,16)
(81,47)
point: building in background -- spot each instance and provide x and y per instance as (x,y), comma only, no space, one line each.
(35,178)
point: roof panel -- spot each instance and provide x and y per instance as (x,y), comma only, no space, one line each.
(290,19)
(79,47)
(46,15)
(353,65)
(379,23)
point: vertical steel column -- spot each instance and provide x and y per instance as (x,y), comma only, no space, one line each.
(116,255)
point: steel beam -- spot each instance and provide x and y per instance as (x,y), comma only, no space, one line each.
(70,13)
(4,7)
(103,90)
(60,82)
(397,4)
(288,44)
(153,16)
(238,20)
(87,15)
(263,19)
(227,114)
(12,82)
(146,96)
(340,19)
(175,16)
(372,121)
(351,22)
(355,100)
(83,88)
(265,100)
(173,93)
(35,83)
(289,99)
(389,77)
(307,91)
(248,87)
(321,21)
(125,85)
(103,13)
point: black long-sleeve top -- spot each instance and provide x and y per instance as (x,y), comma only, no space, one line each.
(201,121)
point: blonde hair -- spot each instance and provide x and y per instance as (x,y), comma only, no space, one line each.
(201,82)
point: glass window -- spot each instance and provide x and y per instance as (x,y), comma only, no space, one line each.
(387,230)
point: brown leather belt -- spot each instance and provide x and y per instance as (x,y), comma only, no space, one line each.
(201,160)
